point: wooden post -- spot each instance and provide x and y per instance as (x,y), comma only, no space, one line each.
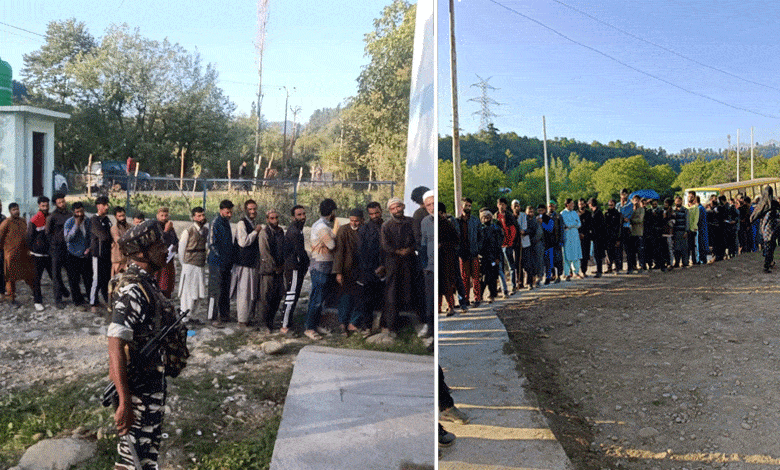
(89,176)
(229,182)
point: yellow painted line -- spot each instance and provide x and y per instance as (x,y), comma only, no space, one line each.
(499,433)
(710,457)
(445,464)
(497,407)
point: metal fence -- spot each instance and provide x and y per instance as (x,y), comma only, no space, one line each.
(146,194)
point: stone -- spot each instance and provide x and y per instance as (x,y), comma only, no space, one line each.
(272,347)
(380,338)
(57,454)
(648,432)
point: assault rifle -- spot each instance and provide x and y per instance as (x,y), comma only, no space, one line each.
(110,395)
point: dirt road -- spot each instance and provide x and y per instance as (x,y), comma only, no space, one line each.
(659,370)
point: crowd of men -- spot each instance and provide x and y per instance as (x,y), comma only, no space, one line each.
(359,267)
(525,247)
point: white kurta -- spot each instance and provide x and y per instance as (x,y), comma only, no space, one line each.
(245,283)
(192,285)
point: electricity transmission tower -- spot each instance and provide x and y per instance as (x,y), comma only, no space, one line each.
(262,21)
(485,112)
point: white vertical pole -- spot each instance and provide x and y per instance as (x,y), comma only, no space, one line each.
(752,148)
(737,155)
(546,165)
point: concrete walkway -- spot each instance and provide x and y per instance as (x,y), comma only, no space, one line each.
(356,409)
(507,429)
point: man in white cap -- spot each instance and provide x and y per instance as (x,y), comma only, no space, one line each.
(427,248)
(402,265)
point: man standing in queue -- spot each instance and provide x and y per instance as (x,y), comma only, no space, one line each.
(100,248)
(55,232)
(39,248)
(296,263)
(397,237)
(271,292)
(139,313)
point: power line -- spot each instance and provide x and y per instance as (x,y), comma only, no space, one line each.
(20,35)
(615,59)
(22,29)
(628,33)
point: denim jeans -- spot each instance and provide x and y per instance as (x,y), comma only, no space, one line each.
(319,280)
(348,314)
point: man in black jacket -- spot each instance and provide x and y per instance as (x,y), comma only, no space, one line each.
(598,233)
(100,249)
(39,248)
(614,223)
(296,263)
(371,269)
(221,257)
(55,233)
(490,253)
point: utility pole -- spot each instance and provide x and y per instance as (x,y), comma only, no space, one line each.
(455,130)
(737,155)
(546,165)
(752,148)
(262,21)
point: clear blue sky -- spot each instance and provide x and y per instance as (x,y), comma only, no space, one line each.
(314,46)
(587,96)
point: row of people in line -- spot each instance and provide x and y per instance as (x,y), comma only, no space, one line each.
(523,248)
(361,266)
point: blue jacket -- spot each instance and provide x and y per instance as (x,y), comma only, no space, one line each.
(475,238)
(221,248)
(77,241)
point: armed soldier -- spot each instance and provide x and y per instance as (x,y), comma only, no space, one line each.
(139,313)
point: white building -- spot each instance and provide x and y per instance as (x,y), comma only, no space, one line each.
(26,155)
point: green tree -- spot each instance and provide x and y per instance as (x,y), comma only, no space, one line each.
(480,183)
(45,71)
(130,96)
(632,173)
(695,174)
(383,91)
(581,177)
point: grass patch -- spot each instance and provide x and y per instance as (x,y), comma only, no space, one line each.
(213,432)
(250,454)
(34,414)
(407,342)
(227,343)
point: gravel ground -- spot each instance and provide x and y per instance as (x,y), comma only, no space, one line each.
(658,370)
